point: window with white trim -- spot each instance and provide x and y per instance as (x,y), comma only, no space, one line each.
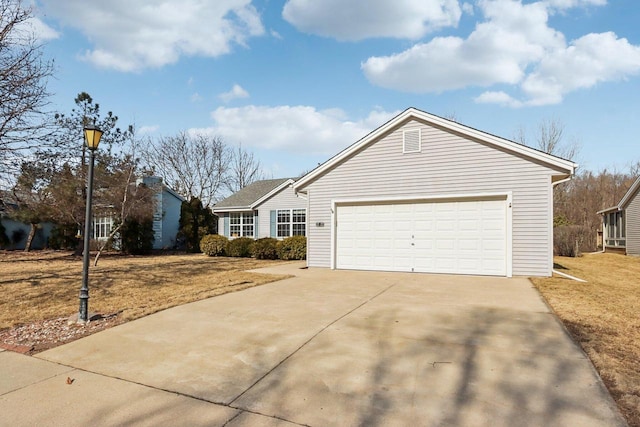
(291,222)
(241,224)
(615,233)
(102,227)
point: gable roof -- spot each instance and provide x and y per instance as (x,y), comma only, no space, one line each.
(626,199)
(252,195)
(566,167)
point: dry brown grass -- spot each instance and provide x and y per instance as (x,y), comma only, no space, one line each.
(603,315)
(43,285)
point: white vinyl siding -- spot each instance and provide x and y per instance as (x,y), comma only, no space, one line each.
(632,216)
(285,199)
(448,164)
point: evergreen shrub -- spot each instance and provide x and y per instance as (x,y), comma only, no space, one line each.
(239,247)
(292,248)
(265,248)
(213,244)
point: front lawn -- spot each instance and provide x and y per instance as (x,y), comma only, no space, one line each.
(603,315)
(45,285)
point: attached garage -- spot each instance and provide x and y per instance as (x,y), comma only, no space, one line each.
(455,236)
(426,194)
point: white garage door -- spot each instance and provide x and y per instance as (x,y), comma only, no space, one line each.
(458,237)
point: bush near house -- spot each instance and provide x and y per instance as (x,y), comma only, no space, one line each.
(137,236)
(213,244)
(292,248)
(265,248)
(64,236)
(240,247)
(568,240)
(4,240)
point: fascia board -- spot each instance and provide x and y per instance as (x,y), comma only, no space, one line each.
(233,209)
(629,194)
(607,210)
(568,166)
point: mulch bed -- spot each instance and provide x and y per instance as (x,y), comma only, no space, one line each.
(35,337)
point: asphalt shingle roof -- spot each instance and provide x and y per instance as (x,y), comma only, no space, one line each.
(250,194)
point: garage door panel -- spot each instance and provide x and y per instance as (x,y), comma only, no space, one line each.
(466,237)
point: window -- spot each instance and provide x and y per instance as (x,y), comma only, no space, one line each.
(291,222)
(241,224)
(615,229)
(102,227)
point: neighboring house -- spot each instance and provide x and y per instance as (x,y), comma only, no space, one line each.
(621,223)
(422,193)
(18,232)
(267,208)
(166,217)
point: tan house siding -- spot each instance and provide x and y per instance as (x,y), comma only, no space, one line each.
(632,214)
(448,164)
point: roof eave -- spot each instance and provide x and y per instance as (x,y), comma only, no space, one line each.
(232,209)
(567,166)
(607,210)
(630,193)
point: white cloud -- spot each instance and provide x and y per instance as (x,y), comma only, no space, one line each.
(300,129)
(42,31)
(360,19)
(131,36)
(195,97)
(567,4)
(236,92)
(467,8)
(589,60)
(515,46)
(498,97)
(146,130)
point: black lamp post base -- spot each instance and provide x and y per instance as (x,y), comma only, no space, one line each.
(75,318)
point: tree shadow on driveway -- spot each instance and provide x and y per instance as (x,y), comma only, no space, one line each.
(478,366)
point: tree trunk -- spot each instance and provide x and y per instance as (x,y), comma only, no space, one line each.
(32,234)
(80,248)
(104,245)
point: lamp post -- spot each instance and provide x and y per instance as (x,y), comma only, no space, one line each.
(92,137)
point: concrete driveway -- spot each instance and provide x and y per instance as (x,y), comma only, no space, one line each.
(324,348)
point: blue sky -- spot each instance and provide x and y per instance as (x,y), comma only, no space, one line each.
(296,81)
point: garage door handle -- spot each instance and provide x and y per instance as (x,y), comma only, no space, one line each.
(413,244)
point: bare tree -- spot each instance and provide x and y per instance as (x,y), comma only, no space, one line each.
(193,165)
(120,194)
(244,169)
(23,85)
(549,139)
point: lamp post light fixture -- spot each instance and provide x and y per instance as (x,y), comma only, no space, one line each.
(92,137)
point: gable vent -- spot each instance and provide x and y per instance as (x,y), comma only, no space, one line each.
(411,141)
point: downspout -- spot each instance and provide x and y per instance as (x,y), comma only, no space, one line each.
(305,196)
(553,184)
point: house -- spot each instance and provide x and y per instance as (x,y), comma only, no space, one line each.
(17,232)
(425,194)
(267,208)
(621,223)
(166,216)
